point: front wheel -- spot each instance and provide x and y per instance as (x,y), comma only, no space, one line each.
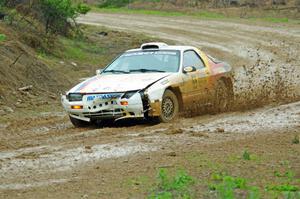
(78,123)
(169,107)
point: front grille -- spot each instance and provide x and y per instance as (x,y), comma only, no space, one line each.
(115,113)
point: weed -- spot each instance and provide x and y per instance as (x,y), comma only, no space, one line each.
(286,190)
(2,37)
(226,185)
(296,140)
(282,188)
(246,155)
(173,187)
(288,174)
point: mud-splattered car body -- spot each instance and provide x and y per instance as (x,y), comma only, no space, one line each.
(139,95)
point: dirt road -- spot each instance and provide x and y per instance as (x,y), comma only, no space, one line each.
(265,56)
(46,157)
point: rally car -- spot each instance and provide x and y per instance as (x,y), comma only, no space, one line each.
(156,81)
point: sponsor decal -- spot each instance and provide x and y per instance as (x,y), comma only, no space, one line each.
(103,96)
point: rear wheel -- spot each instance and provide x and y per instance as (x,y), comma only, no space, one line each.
(223,97)
(78,123)
(169,107)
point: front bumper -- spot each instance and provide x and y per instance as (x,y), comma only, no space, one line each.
(101,109)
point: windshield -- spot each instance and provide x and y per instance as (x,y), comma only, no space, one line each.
(146,61)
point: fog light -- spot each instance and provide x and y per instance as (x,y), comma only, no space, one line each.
(124,103)
(77,107)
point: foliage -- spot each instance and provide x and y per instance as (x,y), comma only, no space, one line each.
(296,140)
(282,188)
(83,8)
(225,187)
(172,187)
(246,155)
(113,3)
(288,174)
(57,14)
(2,37)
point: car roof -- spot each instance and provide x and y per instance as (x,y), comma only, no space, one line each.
(160,46)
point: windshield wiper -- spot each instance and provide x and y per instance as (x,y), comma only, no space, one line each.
(143,70)
(115,71)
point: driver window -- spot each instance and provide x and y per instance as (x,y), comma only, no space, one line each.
(190,58)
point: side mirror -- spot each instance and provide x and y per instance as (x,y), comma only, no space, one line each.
(99,71)
(189,69)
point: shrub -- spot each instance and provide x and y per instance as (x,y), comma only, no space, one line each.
(83,8)
(2,37)
(246,155)
(57,16)
(296,140)
(114,3)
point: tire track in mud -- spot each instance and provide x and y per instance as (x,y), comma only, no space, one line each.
(265,57)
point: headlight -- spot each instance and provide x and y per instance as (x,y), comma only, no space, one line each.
(129,94)
(74,97)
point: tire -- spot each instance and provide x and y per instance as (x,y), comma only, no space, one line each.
(223,97)
(78,123)
(169,107)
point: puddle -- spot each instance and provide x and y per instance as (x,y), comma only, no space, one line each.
(64,160)
(285,116)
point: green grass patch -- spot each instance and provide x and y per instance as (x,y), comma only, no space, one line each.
(81,50)
(276,20)
(226,186)
(296,139)
(246,155)
(205,14)
(200,14)
(2,37)
(171,187)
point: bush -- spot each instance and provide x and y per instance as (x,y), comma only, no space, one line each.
(2,37)
(114,3)
(57,16)
(83,8)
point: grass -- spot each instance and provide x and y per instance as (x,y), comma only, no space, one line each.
(98,47)
(172,187)
(225,187)
(2,37)
(81,50)
(205,14)
(296,140)
(201,14)
(221,186)
(246,155)
(225,183)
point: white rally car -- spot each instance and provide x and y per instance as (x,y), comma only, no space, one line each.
(155,81)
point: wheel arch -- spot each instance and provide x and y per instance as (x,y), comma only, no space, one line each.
(177,92)
(228,82)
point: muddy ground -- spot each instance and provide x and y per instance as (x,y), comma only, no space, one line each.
(44,156)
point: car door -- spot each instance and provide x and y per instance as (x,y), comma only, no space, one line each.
(194,83)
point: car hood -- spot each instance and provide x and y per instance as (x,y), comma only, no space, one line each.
(117,82)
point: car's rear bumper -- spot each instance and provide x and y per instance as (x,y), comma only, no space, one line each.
(105,109)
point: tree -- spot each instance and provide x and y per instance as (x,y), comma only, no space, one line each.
(57,15)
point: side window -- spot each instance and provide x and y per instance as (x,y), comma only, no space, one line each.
(190,58)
